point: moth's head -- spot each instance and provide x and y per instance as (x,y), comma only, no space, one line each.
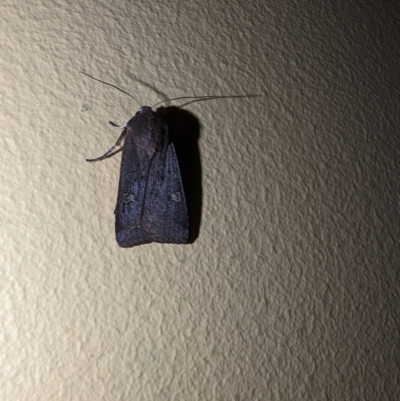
(144,109)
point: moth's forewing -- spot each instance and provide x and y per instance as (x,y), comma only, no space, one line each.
(165,215)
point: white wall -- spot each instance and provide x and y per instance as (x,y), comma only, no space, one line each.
(291,290)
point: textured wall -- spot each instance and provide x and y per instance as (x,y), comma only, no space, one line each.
(291,289)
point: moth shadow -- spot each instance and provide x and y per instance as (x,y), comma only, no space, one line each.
(184,131)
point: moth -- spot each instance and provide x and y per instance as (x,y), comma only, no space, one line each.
(151,203)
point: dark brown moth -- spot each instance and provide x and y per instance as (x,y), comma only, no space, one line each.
(151,205)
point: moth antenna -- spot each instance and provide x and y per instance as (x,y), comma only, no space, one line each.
(114,86)
(200,98)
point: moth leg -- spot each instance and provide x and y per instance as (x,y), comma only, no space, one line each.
(110,151)
(117,126)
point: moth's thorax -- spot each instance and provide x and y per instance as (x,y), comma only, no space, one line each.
(148,129)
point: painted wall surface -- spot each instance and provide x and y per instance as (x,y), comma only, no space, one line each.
(290,290)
